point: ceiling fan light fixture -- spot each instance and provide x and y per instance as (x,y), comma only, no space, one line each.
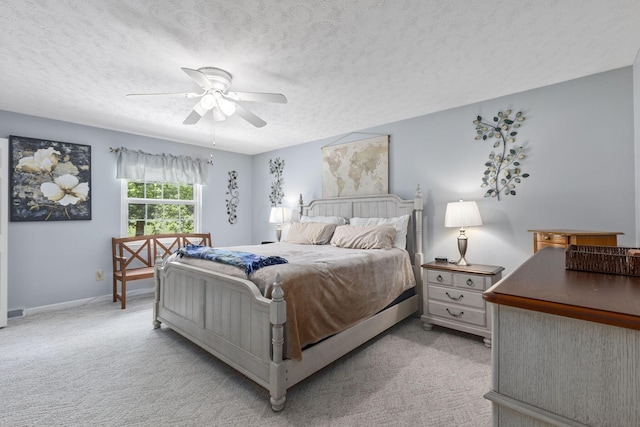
(226,106)
(218,115)
(208,101)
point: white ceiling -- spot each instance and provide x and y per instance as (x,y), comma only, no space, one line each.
(343,65)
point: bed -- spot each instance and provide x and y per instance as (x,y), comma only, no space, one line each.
(230,317)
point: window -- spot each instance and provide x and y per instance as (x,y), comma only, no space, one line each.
(160,207)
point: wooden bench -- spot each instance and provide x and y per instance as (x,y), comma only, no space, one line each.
(134,257)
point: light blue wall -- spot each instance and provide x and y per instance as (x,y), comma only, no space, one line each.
(580,136)
(580,143)
(53,262)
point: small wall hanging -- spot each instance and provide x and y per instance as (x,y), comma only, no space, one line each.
(49,180)
(503,169)
(276,167)
(233,200)
(356,168)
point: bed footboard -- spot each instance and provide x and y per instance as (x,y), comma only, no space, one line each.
(229,318)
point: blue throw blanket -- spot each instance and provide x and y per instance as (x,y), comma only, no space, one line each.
(250,262)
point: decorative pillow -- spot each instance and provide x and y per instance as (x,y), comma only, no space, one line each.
(328,219)
(400,223)
(367,237)
(310,233)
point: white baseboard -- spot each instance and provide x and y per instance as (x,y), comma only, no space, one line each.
(77,303)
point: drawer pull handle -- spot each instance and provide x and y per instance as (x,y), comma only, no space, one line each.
(547,238)
(439,278)
(455,314)
(454,298)
(469,282)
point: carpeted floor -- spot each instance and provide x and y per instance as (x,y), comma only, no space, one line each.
(98,365)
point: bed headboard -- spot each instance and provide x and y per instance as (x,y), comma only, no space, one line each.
(378,206)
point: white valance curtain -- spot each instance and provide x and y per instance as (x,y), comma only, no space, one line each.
(140,166)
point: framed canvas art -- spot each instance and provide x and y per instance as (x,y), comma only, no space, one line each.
(48,180)
(358,168)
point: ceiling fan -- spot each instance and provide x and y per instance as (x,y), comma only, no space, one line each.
(216,97)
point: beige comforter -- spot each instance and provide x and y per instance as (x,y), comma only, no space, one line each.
(327,289)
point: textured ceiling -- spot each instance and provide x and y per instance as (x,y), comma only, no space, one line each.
(343,65)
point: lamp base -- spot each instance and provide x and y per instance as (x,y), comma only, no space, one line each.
(462,248)
(278,232)
(462,262)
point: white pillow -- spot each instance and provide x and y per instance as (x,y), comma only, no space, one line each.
(400,223)
(367,237)
(310,233)
(327,219)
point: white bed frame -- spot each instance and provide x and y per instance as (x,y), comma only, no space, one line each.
(229,317)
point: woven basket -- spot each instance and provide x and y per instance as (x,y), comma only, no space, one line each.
(603,259)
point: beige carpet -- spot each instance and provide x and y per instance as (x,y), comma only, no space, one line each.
(98,365)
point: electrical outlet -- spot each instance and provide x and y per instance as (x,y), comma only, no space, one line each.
(99,275)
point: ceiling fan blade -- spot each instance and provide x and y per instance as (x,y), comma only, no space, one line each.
(195,116)
(199,78)
(192,118)
(258,97)
(180,94)
(249,116)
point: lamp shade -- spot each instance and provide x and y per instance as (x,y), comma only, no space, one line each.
(277,215)
(218,114)
(208,101)
(226,106)
(462,214)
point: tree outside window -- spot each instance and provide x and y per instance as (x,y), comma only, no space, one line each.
(160,207)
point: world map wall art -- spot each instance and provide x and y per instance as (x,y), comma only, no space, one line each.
(49,180)
(358,168)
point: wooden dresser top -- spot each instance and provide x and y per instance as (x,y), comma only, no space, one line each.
(567,232)
(543,284)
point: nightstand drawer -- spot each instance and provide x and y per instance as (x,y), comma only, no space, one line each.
(458,313)
(551,245)
(457,296)
(557,239)
(471,281)
(440,277)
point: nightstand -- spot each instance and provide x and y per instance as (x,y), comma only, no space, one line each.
(453,297)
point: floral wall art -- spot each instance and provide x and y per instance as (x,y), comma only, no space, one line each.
(233,200)
(504,167)
(49,180)
(276,167)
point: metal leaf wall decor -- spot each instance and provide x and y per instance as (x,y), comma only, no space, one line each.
(233,200)
(503,168)
(276,167)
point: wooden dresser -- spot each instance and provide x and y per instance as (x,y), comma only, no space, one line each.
(563,238)
(566,346)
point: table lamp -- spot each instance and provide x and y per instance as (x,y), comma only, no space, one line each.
(277,217)
(462,214)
